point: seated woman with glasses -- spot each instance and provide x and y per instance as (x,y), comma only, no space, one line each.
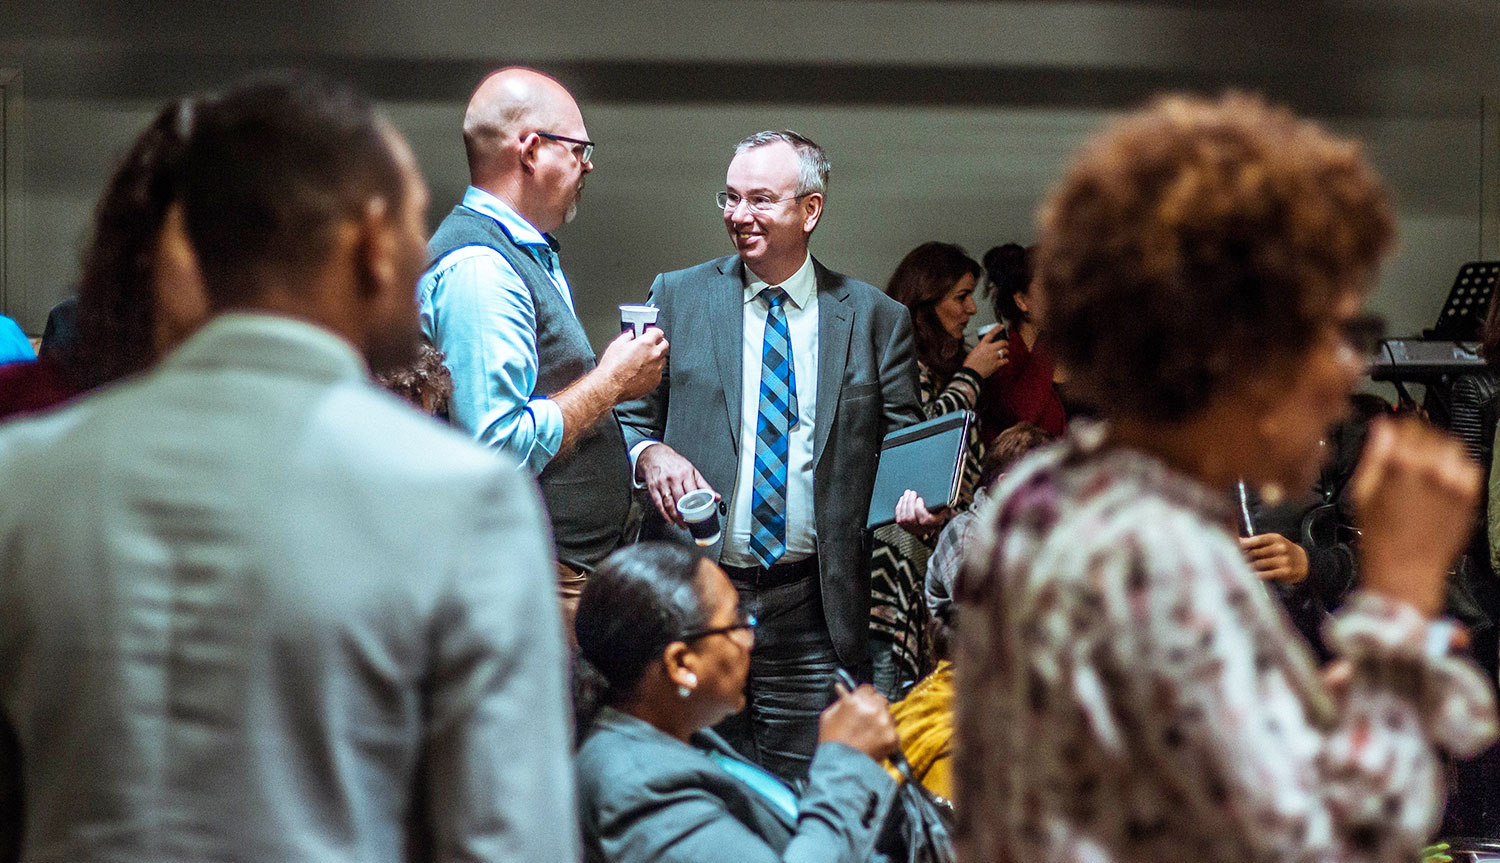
(666,650)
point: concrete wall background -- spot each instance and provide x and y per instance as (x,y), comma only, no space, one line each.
(945,120)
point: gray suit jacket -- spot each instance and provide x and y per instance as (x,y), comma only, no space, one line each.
(645,797)
(253,609)
(867,386)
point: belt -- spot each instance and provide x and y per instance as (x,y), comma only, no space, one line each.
(776,574)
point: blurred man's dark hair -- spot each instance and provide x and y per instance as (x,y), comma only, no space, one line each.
(271,172)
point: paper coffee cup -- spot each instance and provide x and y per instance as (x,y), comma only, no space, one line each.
(637,318)
(700,510)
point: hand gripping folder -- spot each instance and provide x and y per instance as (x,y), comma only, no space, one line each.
(928,458)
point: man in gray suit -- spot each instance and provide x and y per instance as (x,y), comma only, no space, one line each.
(251,607)
(784,377)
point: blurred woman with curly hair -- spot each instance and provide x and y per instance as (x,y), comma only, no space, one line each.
(1127,690)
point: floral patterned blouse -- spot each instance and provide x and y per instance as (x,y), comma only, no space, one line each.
(1129,692)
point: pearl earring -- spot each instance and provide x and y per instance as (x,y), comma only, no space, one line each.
(1272,494)
(684,692)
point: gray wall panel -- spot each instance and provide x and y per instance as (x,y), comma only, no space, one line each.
(945,120)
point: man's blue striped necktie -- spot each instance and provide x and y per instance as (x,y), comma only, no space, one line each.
(778,414)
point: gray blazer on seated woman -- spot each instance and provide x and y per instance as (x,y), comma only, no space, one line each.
(667,650)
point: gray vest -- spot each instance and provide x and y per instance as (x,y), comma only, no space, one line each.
(587,488)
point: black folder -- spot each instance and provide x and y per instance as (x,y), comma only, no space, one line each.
(928,458)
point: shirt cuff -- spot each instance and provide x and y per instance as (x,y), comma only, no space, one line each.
(635,454)
(1398,646)
(547,418)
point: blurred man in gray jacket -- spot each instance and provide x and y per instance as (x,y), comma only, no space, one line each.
(251,608)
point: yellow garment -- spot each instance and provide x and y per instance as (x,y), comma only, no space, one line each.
(924,719)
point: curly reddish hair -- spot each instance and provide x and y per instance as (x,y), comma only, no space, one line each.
(1199,242)
(425,381)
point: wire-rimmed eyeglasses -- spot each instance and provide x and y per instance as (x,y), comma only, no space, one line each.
(588,146)
(756,203)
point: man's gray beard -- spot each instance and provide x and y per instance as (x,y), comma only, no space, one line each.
(572,213)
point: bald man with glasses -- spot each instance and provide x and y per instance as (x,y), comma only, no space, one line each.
(494,299)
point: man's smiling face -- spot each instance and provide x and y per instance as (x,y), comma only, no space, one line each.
(773,244)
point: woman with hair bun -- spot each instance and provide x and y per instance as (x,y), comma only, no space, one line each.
(1127,689)
(666,648)
(1026,390)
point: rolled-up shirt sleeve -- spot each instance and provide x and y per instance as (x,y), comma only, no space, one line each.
(478,312)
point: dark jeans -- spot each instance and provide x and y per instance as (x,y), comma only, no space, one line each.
(890,675)
(791,668)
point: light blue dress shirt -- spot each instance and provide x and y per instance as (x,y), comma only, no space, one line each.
(763,783)
(477,311)
(14,346)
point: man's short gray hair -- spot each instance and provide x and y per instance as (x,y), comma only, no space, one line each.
(813,175)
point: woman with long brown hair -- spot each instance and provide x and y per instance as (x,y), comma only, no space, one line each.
(936,282)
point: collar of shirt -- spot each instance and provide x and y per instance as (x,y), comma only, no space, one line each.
(542,246)
(1088,440)
(799,287)
(520,230)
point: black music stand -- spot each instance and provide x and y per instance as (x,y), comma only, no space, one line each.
(1462,317)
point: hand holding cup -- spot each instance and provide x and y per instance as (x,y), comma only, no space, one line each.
(699,510)
(667,477)
(636,319)
(990,353)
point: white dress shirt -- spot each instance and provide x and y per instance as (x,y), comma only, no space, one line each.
(802,325)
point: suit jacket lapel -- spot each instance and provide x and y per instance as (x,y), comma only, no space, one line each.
(726,313)
(835,323)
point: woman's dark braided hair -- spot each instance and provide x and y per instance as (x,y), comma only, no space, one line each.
(116,292)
